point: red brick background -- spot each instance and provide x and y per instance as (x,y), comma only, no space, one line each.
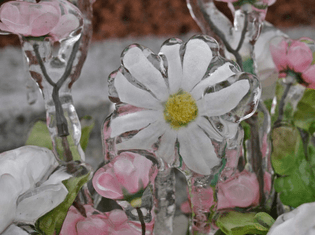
(124,18)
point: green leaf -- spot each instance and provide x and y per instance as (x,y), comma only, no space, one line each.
(87,124)
(51,223)
(237,223)
(286,144)
(248,65)
(39,136)
(298,187)
(304,116)
(215,179)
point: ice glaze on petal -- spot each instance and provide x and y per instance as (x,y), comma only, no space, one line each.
(196,149)
(141,69)
(207,127)
(171,50)
(219,75)
(166,150)
(133,121)
(130,94)
(145,138)
(197,58)
(223,101)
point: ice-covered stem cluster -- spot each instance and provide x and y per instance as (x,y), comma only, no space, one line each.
(55,36)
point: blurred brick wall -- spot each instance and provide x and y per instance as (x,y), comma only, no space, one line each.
(123,18)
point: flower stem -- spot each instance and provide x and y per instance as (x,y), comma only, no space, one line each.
(282,104)
(221,35)
(141,220)
(256,154)
(61,121)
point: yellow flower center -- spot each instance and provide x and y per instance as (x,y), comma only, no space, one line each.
(180,109)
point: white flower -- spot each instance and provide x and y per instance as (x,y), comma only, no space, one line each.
(184,99)
(14,230)
(25,193)
(300,221)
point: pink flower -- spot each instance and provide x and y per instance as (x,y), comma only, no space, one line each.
(241,190)
(295,58)
(127,174)
(110,223)
(57,18)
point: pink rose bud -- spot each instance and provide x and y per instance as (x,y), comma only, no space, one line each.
(96,222)
(127,174)
(242,190)
(294,58)
(55,18)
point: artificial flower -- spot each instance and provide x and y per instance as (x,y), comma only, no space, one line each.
(14,230)
(57,18)
(183,99)
(294,58)
(128,174)
(299,221)
(26,193)
(240,190)
(114,222)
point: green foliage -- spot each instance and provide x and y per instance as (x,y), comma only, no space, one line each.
(248,64)
(287,144)
(39,135)
(87,125)
(237,223)
(51,223)
(296,183)
(304,117)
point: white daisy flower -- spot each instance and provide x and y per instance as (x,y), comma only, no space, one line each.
(183,100)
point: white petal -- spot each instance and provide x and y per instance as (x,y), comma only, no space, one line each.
(175,70)
(205,125)
(219,75)
(38,202)
(141,68)
(14,230)
(166,149)
(196,61)
(145,138)
(133,121)
(197,150)
(57,177)
(8,196)
(224,100)
(130,94)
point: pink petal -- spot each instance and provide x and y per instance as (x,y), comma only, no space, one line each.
(43,24)
(125,171)
(143,166)
(299,56)
(117,217)
(241,191)
(279,53)
(106,184)
(92,225)
(66,25)
(309,77)
(69,225)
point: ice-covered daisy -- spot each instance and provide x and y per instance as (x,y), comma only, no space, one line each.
(179,103)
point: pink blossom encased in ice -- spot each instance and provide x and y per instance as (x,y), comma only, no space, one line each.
(110,223)
(55,17)
(294,57)
(127,174)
